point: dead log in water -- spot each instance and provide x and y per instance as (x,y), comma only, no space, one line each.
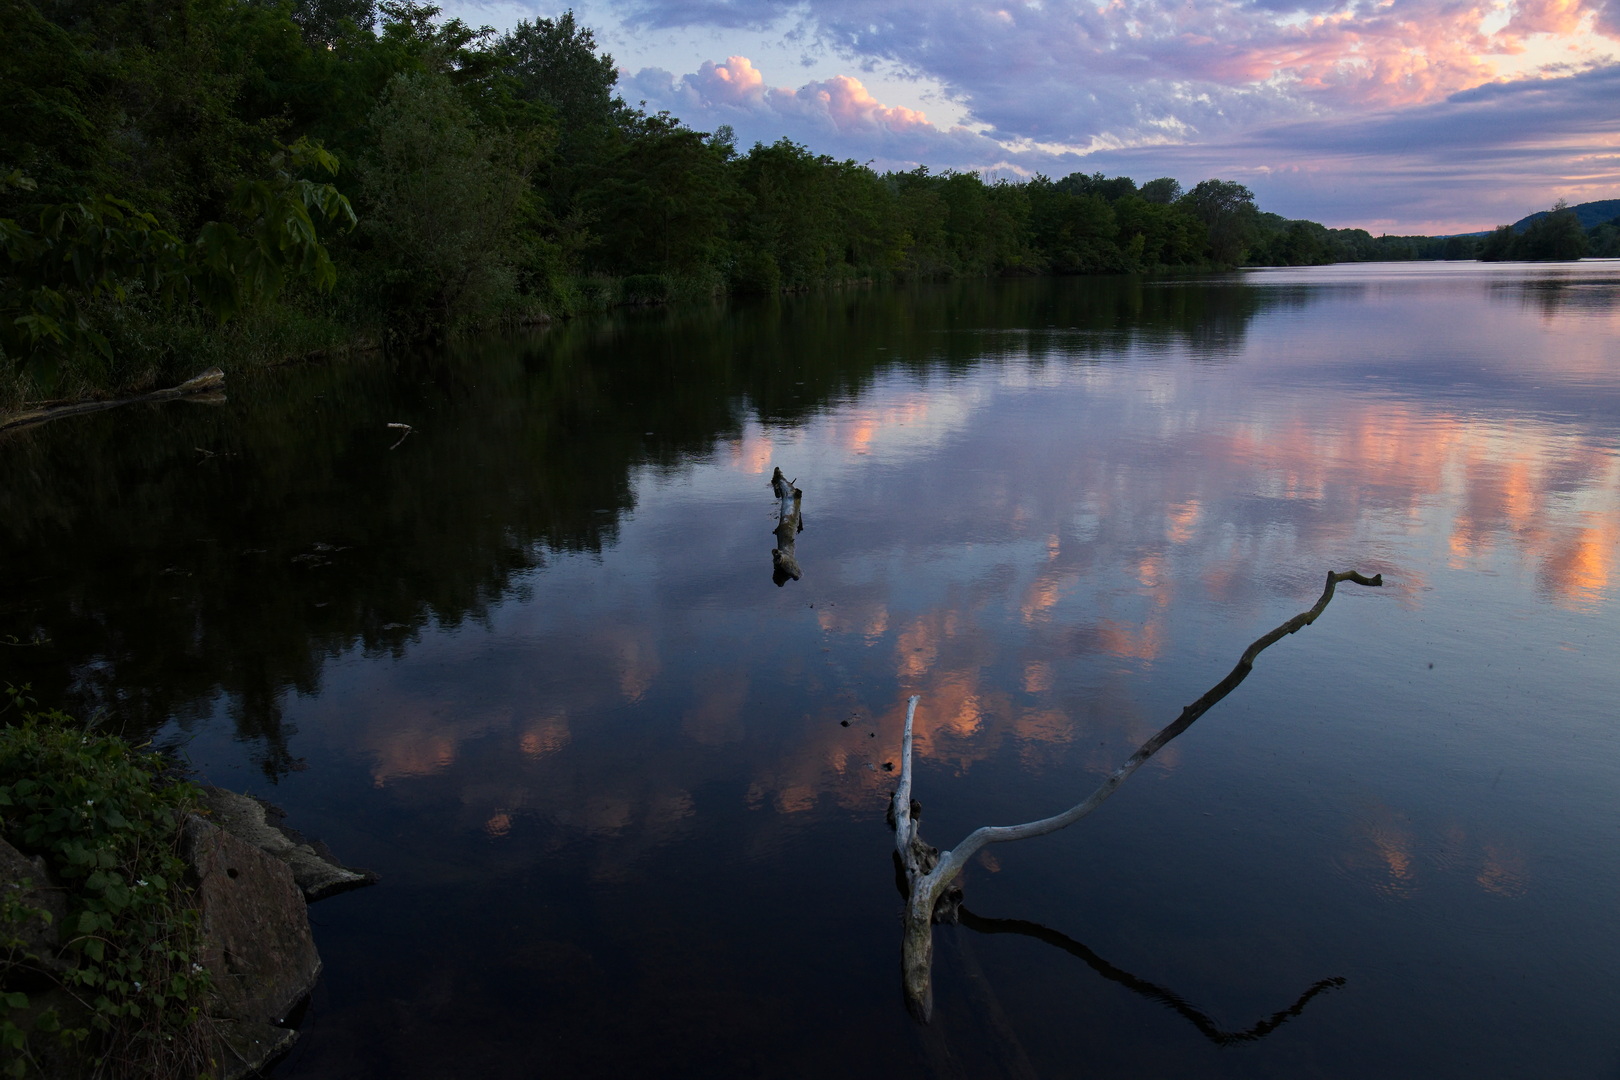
(789,524)
(932,894)
(205,387)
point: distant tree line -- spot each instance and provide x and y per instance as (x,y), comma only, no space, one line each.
(186,179)
(1554,236)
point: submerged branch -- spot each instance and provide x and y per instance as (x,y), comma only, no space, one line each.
(930,873)
(952,861)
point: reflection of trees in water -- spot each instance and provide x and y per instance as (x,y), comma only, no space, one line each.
(1553,295)
(165,578)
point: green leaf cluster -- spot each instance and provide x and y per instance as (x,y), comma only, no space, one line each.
(106,821)
(102,247)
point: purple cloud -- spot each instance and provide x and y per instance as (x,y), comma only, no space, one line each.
(1480,157)
(1068,71)
(836,116)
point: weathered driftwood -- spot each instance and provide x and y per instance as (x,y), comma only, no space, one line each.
(789,524)
(932,894)
(203,387)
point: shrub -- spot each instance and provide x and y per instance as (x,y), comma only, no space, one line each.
(644,289)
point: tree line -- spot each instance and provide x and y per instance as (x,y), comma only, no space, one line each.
(1554,236)
(182,180)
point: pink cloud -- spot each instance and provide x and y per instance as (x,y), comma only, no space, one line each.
(1563,17)
(1468,161)
(839,115)
(736,82)
(842,101)
(850,106)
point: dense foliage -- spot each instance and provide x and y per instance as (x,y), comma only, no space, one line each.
(106,824)
(181,178)
(1555,235)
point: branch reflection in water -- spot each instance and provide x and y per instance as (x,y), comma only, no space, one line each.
(1164,995)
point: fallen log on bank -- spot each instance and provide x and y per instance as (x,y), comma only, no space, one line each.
(789,524)
(930,875)
(204,387)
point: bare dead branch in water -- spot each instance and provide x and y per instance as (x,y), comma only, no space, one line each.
(406,428)
(931,874)
(789,524)
(1164,995)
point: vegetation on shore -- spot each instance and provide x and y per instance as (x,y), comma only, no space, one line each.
(197,183)
(188,182)
(122,991)
(1555,235)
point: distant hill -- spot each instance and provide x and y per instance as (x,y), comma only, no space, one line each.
(1589,214)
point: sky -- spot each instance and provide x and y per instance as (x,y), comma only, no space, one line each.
(1398,116)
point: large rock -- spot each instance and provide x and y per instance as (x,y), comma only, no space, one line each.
(39,932)
(257,943)
(314,867)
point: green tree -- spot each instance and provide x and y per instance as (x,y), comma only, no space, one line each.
(555,62)
(1498,245)
(661,200)
(328,22)
(440,195)
(1555,236)
(1163,191)
(103,248)
(1075,232)
(1604,240)
(1169,235)
(1227,210)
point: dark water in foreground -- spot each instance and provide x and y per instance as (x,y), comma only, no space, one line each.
(627,796)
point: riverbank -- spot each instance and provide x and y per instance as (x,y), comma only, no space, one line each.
(151,927)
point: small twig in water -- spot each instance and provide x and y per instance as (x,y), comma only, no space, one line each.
(406,428)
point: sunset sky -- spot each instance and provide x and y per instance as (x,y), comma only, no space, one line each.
(1421,116)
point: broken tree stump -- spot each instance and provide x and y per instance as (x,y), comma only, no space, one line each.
(789,524)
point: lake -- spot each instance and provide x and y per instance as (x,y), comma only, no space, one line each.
(626,794)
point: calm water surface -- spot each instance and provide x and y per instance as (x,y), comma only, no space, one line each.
(627,796)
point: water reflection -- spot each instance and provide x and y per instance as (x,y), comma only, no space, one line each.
(538,630)
(1199,1019)
(1387,855)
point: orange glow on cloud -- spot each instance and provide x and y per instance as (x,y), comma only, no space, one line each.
(1043,595)
(1129,641)
(752,453)
(1180,521)
(843,99)
(850,103)
(413,753)
(544,736)
(1579,567)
